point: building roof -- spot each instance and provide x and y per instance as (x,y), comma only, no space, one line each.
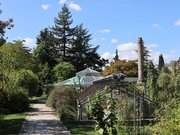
(85,77)
(88,72)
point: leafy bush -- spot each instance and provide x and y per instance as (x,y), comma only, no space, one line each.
(64,71)
(13,101)
(64,102)
(17,101)
(26,79)
(168,119)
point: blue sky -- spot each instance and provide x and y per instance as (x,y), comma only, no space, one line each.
(114,24)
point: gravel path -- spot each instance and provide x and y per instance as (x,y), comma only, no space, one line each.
(42,121)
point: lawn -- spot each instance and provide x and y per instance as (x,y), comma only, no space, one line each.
(11,123)
(81,129)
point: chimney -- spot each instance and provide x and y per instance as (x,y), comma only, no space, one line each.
(140,60)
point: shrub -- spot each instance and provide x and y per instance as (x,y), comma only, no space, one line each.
(28,80)
(64,71)
(14,101)
(17,101)
(64,102)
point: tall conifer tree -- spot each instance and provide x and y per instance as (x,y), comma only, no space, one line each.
(116,57)
(161,62)
(63,31)
(82,54)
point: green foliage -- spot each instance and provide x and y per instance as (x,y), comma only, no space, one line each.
(105,118)
(175,79)
(46,75)
(4,25)
(64,71)
(15,57)
(45,51)
(82,54)
(65,43)
(111,116)
(28,80)
(98,115)
(161,63)
(17,81)
(64,102)
(151,82)
(14,100)
(63,32)
(164,87)
(168,120)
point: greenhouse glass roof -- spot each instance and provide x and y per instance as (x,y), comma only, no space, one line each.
(85,77)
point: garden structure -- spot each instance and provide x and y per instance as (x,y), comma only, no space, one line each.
(139,107)
(83,79)
(120,88)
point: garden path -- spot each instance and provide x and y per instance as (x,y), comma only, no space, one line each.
(42,121)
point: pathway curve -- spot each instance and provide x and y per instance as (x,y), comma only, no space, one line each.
(42,121)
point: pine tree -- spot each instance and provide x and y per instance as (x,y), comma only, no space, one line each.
(161,62)
(116,57)
(63,31)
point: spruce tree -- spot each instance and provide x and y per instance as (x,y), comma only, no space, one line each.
(161,62)
(63,31)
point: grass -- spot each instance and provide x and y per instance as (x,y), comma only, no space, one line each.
(12,123)
(81,129)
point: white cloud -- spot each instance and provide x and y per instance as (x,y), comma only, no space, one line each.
(75,6)
(105,31)
(127,47)
(45,6)
(177,22)
(168,56)
(29,42)
(107,55)
(114,41)
(127,51)
(154,56)
(62,1)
